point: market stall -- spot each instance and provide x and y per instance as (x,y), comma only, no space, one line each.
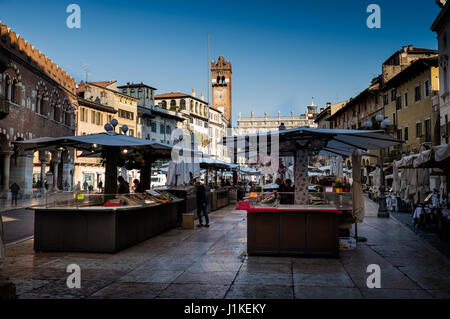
(219,194)
(111,222)
(424,183)
(274,228)
(92,223)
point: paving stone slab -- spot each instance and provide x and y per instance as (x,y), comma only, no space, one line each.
(194,291)
(212,277)
(394,293)
(334,279)
(58,288)
(38,273)
(257,267)
(27,285)
(165,265)
(302,292)
(125,290)
(260,291)
(318,268)
(150,275)
(391,277)
(440,294)
(214,266)
(270,279)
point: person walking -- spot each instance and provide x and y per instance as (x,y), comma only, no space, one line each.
(100,186)
(15,193)
(202,204)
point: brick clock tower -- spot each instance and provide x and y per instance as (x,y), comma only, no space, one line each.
(221,87)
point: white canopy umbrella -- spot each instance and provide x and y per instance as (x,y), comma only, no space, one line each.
(403,191)
(396,180)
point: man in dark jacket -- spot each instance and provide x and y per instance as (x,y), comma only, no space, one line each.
(202,204)
(287,190)
(15,193)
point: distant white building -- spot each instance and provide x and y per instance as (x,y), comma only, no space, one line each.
(254,124)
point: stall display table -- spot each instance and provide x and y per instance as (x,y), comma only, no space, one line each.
(101,229)
(189,206)
(293,230)
(219,198)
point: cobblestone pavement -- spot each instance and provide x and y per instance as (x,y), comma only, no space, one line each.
(442,244)
(212,263)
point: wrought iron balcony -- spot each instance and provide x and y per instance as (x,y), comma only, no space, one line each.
(4,107)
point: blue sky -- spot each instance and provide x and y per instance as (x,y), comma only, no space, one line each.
(282,52)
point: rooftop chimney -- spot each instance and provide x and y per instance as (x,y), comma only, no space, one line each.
(193,92)
(328,104)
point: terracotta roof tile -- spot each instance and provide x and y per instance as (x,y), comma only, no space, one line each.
(103,83)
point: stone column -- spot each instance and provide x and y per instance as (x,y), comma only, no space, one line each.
(6,167)
(56,156)
(22,172)
(301,180)
(68,170)
(43,158)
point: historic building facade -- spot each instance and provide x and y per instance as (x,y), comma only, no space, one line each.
(37,98)
(442,28)
(372,101)
(194,110)
(353,113)
(153,122)
(218,129)
(322,118)
(409,105)
(106,93)
(254,124)
(92,117)
(221,87)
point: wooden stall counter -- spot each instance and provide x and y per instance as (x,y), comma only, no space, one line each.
(293,230)
(101,229)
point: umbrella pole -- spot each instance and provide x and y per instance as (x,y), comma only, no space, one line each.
(111,156)
(146,173)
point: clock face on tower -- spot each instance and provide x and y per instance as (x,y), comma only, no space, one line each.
(219,94)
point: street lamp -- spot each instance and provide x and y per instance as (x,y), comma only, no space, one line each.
(383,123)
